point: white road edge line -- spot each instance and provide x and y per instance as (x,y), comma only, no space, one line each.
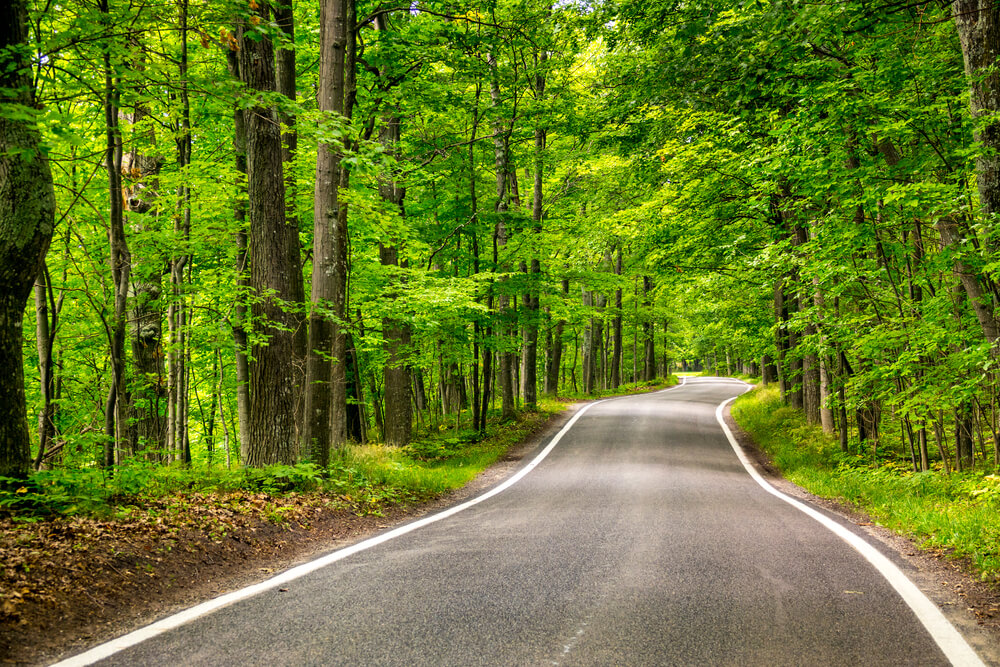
(108,649)
(948,639)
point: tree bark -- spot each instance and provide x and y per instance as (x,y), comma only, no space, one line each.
(284,17)
(46,323)
(978,25)
(395,332)
(116,418)
(272,372)
(555,360)
(148,385)
(177,313)
(329,260)
(27,210)
(239,322)
(529,372)
(398,407)
(501,136)
(616,357)
(649,344)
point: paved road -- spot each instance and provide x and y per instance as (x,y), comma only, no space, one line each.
(640,540)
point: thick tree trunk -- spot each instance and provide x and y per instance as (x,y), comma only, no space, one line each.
(964,440)
(272,372)
(329,244)
(27,209)
(398,406)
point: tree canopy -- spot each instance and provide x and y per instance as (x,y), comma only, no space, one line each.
(283,226)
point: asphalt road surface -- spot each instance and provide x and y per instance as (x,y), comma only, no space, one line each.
(639,540)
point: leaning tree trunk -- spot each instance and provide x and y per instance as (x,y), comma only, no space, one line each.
(46,323)
(271,434)
(978,26)
(27,210)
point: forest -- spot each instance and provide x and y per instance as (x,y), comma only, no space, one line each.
(247,232)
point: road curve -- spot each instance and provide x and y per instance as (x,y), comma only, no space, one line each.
(639,540)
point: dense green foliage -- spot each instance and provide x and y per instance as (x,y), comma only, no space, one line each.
(541,198)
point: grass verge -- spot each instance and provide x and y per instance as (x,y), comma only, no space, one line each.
(958,514)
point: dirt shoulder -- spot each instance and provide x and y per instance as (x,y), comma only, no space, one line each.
(69,584)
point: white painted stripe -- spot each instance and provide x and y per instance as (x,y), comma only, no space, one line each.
(158,628)
(950,641)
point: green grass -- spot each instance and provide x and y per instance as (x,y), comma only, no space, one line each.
(958,513)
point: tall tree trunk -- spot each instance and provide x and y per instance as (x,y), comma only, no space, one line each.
(649,344)
(529,372)
(329,269)
(555,362)
(978,25)
(284,17)
(148,386)
(177,313)
(616,357)
(116,418)
(398,407)
(239,320)
(27,209)
(272,372)
(395,331)
(46,324)
(501,136)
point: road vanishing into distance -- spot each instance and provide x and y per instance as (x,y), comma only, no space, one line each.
(640,539)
